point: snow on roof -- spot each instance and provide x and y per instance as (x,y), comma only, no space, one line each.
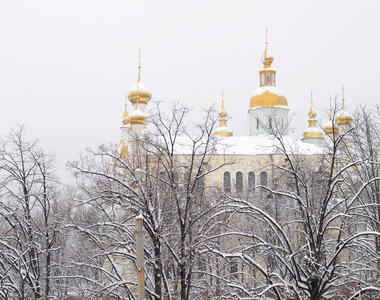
(251,145)
(329,123)
(314,129)
(223,128)
(137,113)
(141,88)
(345,114)
(272,89)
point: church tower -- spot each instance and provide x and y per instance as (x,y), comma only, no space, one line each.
(268,111)
(223,129)
(344,119)
(139,95)
(313,134)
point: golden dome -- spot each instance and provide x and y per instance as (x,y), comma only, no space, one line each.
(223,129)
(139,92)
(312,132)
(330,127)
(344,118)
(137,117)
(267,95)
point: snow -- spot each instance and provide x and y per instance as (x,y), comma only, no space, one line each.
(137,113)
(272,89)
(251,145)
(141,88)
(314,129)
(223,128)
(345,114)
(276,106)
(329,123)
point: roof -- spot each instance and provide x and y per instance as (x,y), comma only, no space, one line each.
(252,145)
(141,88)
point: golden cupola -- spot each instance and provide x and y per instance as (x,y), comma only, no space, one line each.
(268,109)
(344,118)
(223,129)
(139,92)
(313,134)
(330,127)
(267,95)
(137,117)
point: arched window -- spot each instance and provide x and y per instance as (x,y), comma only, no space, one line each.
(257,123)
(251,181)
(263,180)
(270,122)
(227,181)
(162,182)
(239,182)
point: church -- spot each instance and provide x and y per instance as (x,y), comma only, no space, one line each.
(251,157)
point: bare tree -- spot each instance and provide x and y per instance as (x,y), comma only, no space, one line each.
(316,243)
(28,222)
(175,159)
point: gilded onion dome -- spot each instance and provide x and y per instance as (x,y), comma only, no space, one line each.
(330,127)
(137,117)
(267,95)
(312,134)
(344,118)
(223,129)
(139,92)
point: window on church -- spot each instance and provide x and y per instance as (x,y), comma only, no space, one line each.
(263,180)
(162,182)
(270,123)
(251,181)
(227,181)
(267,79)
(239,182)
(257,124)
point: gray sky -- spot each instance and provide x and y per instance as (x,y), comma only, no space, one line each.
(66,66)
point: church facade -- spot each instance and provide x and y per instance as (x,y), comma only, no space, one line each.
(250,159)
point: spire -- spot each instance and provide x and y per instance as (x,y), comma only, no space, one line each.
(345,118)
(312,113)
(330,109)
(267,61)
(139,77)
(266,43)
(125,118)
(139,89)
(223,129)
(223,112)
(313,134)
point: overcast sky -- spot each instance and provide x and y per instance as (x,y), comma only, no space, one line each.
(65,66)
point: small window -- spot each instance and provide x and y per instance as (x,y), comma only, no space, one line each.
(227,181)
(263,180)
(161,181)
(268,79)
(239,182)
(257,124)
(251,181)
(270,123)
(233,266)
